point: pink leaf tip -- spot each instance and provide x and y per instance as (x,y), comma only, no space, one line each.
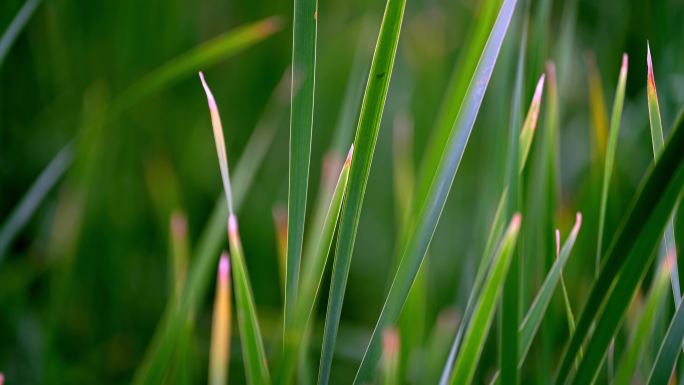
(515,222)
(578,222)
(390,342)
(179,224)
(670,260)
(224,266)
(625,60)
(2,378)
(207,90)
(232,225)
(557,243)
(349,155)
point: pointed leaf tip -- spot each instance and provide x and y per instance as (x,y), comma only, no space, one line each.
(207,90)
(224,266)
(515,222)
(390,341)
(349,155)
(625,60)
(578,222)
(232,225)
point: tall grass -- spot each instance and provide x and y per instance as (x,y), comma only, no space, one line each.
(550,328)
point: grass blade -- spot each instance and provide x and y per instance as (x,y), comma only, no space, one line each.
(301,124)
(364,144)
(202,56)
(610,155)
(657,140)
(532,321)
(432,206)
(455,93)
(311,281)
(220,326)
(16,26)
(669,350)
(636,345)
(156,362)
(250,335)
(511,297)
(530,325)
(627,260)
(473,342)
(33,197)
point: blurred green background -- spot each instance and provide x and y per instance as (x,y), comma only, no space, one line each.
(84,283)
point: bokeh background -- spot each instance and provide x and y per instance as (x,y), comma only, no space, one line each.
(84,283)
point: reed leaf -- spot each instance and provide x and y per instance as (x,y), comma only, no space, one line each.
(364,144)
(301,125)
(478,328)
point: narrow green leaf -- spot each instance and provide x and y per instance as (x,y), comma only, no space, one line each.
(610,155)
(627,261)
(532,321)
(455,93)
(202,56)
(252,344)
(312,277)
(16,26)
(530,325)
(250,334)
(33,197)
(657,140)
(636,345)
(422,231)
(669,350)
(156,361)
(511,297)
(477,331)
(301,124)
(364,144)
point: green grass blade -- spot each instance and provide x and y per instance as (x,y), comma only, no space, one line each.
(627,260)
(530,325)
(16,26)
(636,345)
(532,321)
(657,140)
(301,125)
(511,297)
(364,144)
(156,360)
(250,334)
(610,155)
(202,56)
(251,341)
(420,236)
(669,350)
(28,205)
(312,277)
(455,93)
(474,339)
